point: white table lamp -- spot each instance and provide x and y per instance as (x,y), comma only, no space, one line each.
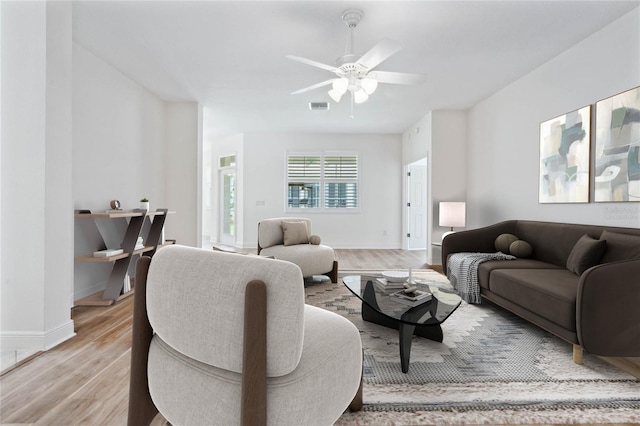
(452,214)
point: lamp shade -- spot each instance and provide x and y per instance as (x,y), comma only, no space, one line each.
(452,213)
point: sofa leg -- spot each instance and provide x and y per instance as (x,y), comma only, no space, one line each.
(577,354)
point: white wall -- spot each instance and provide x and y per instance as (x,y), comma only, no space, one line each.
(118,153)
(37,249)
(503,130)
(378,223)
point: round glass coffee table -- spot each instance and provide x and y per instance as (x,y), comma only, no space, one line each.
(424,319)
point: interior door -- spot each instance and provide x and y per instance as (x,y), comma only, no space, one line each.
(417,206)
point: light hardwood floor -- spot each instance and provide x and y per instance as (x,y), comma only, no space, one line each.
(85,381)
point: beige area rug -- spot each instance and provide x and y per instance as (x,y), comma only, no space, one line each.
(491,368)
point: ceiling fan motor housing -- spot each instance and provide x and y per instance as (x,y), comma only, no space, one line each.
(352,17)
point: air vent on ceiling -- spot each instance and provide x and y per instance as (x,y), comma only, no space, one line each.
(318,106)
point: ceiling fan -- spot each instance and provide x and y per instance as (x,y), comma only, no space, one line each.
(355,73)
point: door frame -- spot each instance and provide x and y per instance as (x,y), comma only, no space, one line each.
(406,228)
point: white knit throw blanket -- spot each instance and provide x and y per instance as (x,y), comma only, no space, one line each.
(462,272)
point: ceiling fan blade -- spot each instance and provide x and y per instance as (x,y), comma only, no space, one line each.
(378,53)
(397,77)
(315,86)
(312,63)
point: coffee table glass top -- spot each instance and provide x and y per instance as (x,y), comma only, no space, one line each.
(432,312)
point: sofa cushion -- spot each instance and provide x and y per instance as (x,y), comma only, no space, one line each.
(586,253)
(295,232)
(550,293)
(520,248)
(315,240)
(620,246)
(485,268)
(503,242)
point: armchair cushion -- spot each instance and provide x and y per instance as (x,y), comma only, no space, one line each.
(329,370)
(183,286)
(295,232)
(312,259)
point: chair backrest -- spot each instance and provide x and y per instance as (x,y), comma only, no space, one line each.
(195,303)
(270,230)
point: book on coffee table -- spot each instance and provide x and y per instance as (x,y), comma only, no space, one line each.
(386,285)
(411,299)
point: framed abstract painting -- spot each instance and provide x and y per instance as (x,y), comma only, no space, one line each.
(565,144)
(617,148)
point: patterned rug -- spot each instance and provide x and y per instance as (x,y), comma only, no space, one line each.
(491,368)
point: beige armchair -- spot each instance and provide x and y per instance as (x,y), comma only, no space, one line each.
(290,239)
(220,338)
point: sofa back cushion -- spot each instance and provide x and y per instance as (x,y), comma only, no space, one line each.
(195,303)
(620,246)
(552,242)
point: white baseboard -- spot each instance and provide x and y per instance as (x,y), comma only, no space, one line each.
(36,341)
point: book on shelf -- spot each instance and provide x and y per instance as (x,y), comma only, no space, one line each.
(411,299)
(107,252)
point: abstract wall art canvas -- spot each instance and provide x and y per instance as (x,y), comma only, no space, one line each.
(565,144)
(617,148)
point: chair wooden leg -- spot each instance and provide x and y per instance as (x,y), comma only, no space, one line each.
(142,410)
(333,275)
(356,403)
(254,357)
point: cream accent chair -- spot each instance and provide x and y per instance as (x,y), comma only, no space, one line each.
(313,259)
(220,338)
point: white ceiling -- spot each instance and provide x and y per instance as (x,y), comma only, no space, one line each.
(230,55)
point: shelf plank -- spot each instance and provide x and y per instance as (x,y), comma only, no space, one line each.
(90,258)
(115,215)
(96,299)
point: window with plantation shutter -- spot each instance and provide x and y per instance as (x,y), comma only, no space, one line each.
(326,180)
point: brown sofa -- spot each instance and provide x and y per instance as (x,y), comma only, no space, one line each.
(597,309)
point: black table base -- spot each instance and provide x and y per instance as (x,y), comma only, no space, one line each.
(406,332)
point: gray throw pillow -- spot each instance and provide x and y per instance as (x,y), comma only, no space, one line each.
(587,252)
(620,246)
(295,232)
(504,241)
(520,248)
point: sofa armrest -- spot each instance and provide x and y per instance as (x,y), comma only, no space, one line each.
(479,240)
(607,314)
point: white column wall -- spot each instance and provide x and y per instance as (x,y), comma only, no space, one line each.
(37,250)
(183,172)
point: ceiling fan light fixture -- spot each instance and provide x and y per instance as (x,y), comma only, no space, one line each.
(369,85)
(360,96)
(341,84)
(336,95)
